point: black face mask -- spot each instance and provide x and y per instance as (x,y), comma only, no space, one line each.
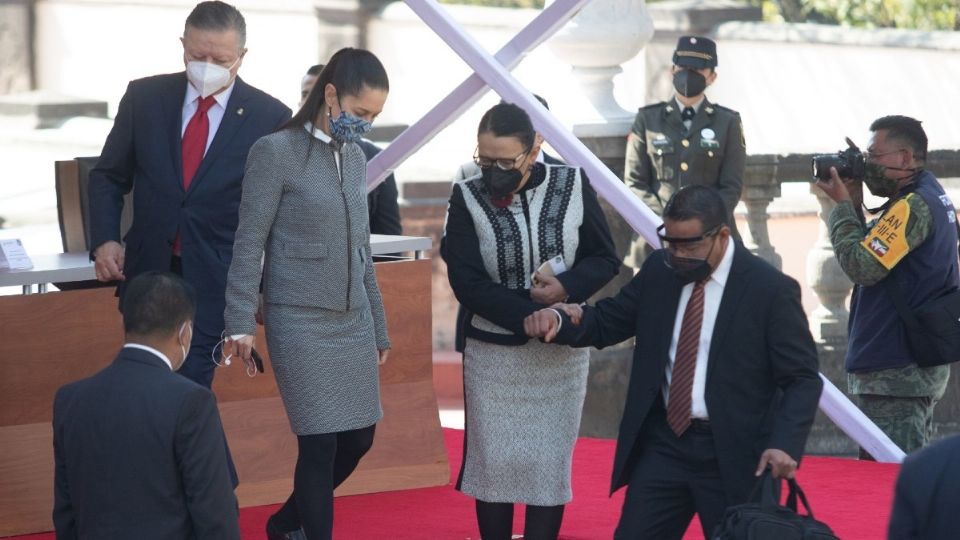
(689,83)
(879,184)
(501,183)
(689,269)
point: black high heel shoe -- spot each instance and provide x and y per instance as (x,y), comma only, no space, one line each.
(274,532)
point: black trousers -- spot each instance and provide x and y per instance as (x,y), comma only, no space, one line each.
(674,478)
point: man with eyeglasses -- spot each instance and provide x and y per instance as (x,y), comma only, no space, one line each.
(912,245)
(725,376)
(686,140)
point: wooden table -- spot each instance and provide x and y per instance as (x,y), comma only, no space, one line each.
(47,340)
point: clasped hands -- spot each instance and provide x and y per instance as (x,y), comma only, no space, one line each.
(545,323)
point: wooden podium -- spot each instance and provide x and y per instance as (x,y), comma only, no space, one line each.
(51,339)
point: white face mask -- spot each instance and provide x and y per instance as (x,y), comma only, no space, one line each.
(208,78)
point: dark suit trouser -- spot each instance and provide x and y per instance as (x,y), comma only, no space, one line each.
(673,478)
(199,365)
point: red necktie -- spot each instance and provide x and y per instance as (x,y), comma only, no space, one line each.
(681,380)
(192,147)
(194,142)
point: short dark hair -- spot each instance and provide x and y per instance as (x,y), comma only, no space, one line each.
(905,130)
(697,202)
(314,70)
(349,70)
(508,120)
(218,16)
(157,304)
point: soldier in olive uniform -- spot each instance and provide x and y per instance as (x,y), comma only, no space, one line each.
(913,243)
(687,140)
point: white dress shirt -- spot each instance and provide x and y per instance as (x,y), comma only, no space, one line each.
(151,350)
(214,113)
(712,293)
(696,108)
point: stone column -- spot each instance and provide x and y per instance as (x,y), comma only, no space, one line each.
(605,34)
(760,187)
(828,323)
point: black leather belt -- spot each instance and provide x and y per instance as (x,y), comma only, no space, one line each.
(700,424)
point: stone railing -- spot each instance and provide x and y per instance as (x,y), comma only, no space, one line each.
(828,322)
(762,180)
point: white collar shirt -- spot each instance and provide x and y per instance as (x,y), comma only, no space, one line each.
(150,350)
(214,115)
(696,108)
(712,294)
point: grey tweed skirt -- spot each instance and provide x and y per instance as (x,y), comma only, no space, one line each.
(523,407)
(325,363)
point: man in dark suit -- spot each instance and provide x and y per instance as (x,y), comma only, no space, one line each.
(928,488)
(180,142)
(724,380)
(138,449)
(382,206)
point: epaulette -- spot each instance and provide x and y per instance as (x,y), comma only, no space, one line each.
(726,109)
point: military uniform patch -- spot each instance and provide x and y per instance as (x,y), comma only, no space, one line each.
(887,240)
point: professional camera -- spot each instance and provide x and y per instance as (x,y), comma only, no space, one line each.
(850,163)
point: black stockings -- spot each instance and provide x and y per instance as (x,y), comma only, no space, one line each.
(323,463)
(496,521)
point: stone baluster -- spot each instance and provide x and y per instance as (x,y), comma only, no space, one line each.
(760,187)
(828,322)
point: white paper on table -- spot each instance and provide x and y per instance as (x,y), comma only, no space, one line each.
(13,256)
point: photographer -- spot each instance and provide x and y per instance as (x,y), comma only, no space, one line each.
(910,247)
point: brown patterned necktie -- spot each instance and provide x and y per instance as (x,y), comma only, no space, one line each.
(681,381)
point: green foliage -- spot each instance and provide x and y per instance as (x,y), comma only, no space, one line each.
(532,4)
(914,14)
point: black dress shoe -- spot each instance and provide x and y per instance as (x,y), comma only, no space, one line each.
(274,532)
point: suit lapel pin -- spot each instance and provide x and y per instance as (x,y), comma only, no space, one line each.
(709,110)
(240,111)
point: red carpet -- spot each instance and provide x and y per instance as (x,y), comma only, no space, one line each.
(853,497)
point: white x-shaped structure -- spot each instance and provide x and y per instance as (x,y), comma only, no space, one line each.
(494,72)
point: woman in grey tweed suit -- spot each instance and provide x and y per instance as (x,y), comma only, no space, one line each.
(304,211)
(522,398)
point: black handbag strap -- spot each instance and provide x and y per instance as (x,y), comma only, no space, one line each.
(795,492)
(766,490)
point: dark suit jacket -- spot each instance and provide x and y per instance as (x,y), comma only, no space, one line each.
(762,383)
(927,494)
(382,201)
(139,453)
(142,153)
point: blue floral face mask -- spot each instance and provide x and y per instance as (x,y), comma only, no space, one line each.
(348,128)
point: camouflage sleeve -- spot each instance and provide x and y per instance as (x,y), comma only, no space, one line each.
(638,171)
(867,254)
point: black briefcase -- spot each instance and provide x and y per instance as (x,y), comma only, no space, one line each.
(764,518)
